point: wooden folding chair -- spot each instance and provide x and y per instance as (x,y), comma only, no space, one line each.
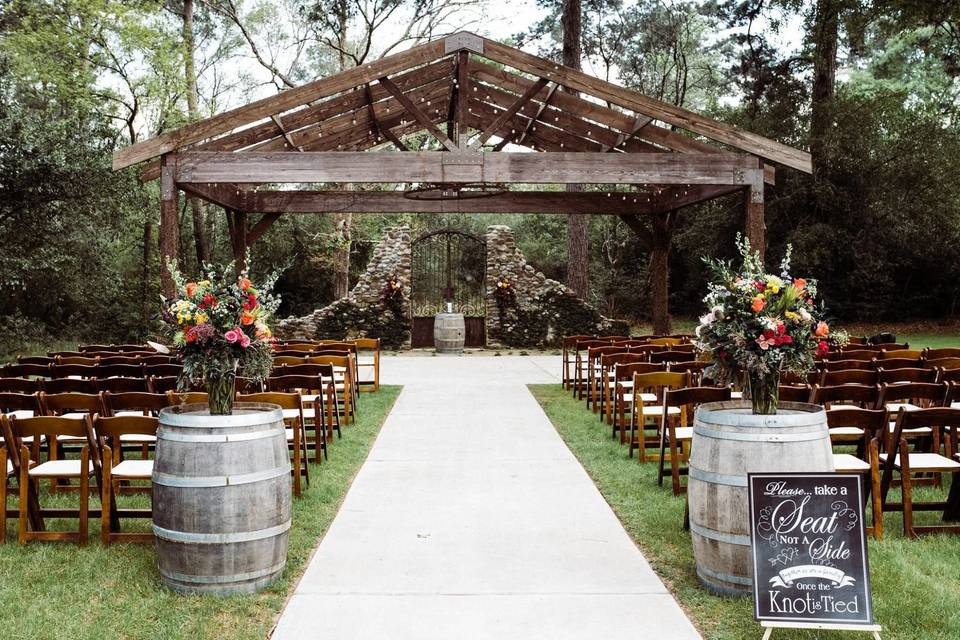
(319,400)
(872,425)
(19,385)
(580,367)
(848,376)
(110,434)
(329,378)
(841,397)
(75,361)
(695,367)
(906,463)
(651,414)
(292,407)
(607,383)
(45,361)
(133,403)
(595,372)
(162,370)
(623,395)
(908,374)
(370,347)
(26,371)
(54,469)
(161,384)
(119,371)
(343,381)
(676,438)
(123,385)
(568,347)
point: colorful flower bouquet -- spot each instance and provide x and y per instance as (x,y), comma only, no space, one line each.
(220,326)
(760,325)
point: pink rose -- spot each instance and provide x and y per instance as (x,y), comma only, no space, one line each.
(244,340)
(232,336)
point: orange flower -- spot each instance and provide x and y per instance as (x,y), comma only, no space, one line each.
(247,318)
(190,288)
(758,304)
(821,330)
(799,284)
(245,284)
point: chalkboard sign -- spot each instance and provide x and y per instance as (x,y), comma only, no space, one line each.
(809,549)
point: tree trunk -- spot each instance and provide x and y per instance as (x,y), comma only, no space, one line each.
(341,256)
(825,40)
(169,234)
(197,210)
(578,225)
(660,273)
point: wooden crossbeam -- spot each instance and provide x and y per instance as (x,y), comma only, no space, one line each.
(425,121)
(490,168)
(628,203)
(381,130)
(263,224)
(284,101)
(494,126)
(219,194)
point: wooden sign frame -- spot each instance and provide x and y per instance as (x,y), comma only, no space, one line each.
(814,521)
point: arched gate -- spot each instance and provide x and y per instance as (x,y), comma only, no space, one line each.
(448,266)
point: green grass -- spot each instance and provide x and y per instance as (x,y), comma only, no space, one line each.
(60,590)
(916,583)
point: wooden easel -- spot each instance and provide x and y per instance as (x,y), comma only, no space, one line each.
(770,625)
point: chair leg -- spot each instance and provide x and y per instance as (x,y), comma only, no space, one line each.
(24,495)
(875,494)
(907,490)
(106,499)
(3,507)
(296,461)
(84,495)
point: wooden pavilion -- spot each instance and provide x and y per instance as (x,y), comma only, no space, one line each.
(476,98)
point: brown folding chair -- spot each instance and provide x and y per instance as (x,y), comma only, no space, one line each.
(872,424)
(111,432)
(132,404)
(848,376)
(794,392)
(292,408)
(606,382)
(30,514)
(123,361)
(647,414)
(73,370)
(568,346)
(45,361)
(78,361)
(161,384)
(580,366)
(318,397)
(676,438)
(119,371)
(370,348)
(123,385)
(343,381)
(901,460)
(910,374)
(595,372)
(162,370)
(19,385)
(26,371)
(944,352)
(695,367)
(622,380)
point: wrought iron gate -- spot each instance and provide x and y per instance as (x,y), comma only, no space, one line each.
(448,266)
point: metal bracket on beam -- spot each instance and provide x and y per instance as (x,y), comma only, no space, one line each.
(463,40)
(469,159)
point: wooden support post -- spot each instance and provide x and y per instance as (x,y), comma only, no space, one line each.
(660,271)
(463,97)
(755,223)
(237,227)
(169,224)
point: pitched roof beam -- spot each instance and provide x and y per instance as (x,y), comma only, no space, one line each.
(417,114)
(286,135)
(378,129)
(638,124)
(526,131)
(494,126)
(463,97)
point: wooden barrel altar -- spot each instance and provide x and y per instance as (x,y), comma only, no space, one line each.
(448,332)
(729,442)
(221,498)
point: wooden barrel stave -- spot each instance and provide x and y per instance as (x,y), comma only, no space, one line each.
(722,453)
(449,331)
(222,499)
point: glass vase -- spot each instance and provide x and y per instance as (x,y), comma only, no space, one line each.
(764,390)
(220,386)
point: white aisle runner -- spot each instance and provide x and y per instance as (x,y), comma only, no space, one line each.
(471,519)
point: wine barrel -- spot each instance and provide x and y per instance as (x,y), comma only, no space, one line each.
(448,332)
(729,442)
(221,498)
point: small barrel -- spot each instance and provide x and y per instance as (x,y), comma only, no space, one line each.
(729,442)
(448,332)
(221,498)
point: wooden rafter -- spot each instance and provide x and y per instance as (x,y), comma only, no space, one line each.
(219,194)
(378,129)
(426,166)
(414,111)
(317,115)
(518,104)
(263,225)
(638,125)
(533,121)
(285,133)
(668,113)
(264,108)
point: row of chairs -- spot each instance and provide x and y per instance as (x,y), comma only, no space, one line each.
(89,371)
(102,426)
(366,352)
